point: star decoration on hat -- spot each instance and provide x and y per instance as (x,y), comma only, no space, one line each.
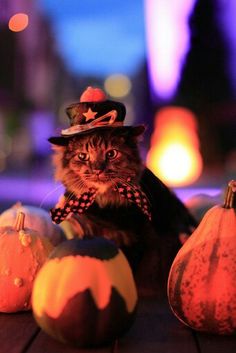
(90,115)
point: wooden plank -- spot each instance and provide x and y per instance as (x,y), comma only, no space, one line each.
(215,343)
(16,332)
(46,344)
(157,330)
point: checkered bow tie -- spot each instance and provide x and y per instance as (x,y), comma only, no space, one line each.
(79,205)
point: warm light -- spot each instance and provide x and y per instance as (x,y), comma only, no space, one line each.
(175,134)
(18,22)
(117,85)
(177,117)
(174,154)
(176,163)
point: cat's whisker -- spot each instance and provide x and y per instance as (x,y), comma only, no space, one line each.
(125,172)
(113,182)
(69,197)
(49,194)
(79,186)
(133,187)
(130,184)
(126,183)
(86,175)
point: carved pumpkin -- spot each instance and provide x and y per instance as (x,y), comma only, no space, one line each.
(36,218)
(22,252)
(202,279)
(85,294)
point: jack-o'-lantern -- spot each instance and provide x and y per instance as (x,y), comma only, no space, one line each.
(85,294)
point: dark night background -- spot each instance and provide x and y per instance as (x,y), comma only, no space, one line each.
(36,83)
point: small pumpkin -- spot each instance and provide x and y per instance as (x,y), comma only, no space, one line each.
(36,218)
(85,294)
(22,252)
(201,284)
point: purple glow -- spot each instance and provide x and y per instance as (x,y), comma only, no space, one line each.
(226,18)
(168,37)
(31,191)
(41,127)
(44,193)
(186,193)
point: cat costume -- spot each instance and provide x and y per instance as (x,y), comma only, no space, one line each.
(109,192)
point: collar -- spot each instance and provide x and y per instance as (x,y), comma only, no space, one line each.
(79,204)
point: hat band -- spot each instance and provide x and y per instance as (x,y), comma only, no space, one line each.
(99,122)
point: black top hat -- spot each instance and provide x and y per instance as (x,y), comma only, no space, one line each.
(93,111)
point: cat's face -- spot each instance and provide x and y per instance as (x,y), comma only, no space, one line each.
(99,160)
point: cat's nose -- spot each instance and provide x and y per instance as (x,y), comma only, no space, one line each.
(98,167)
(98,171)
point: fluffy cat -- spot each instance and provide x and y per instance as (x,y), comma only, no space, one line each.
(107,161)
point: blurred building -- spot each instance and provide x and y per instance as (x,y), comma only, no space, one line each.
(33,82)
(30,57)
(63,50)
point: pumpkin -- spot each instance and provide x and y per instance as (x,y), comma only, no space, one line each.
(22,252)
(202,278)
(85,294)
(36,218)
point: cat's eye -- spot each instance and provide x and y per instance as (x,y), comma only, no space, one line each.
(82,156)
(111,154)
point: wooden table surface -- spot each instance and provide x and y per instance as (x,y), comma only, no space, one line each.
(156,330)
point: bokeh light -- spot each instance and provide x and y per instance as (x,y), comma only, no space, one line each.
(176,163)
(168,41)
(18,22)
(117,85)
(174,155)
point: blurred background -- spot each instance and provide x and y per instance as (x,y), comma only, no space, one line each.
(171,62)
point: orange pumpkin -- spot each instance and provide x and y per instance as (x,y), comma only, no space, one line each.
(202,278)
(85,293)
(36,218)
(22,253)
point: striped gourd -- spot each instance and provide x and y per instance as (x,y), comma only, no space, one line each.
(202,278)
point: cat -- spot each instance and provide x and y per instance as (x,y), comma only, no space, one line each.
(106,161)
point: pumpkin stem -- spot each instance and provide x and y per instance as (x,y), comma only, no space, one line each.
(20,220)
(17,205)
(229,201)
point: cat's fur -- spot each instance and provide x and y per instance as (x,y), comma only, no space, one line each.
(112,156)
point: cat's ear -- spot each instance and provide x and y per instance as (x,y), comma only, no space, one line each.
(131,133)
(136,131)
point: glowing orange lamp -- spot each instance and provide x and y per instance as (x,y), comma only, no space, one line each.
(174,154)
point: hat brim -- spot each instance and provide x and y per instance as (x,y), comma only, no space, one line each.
(64,140)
